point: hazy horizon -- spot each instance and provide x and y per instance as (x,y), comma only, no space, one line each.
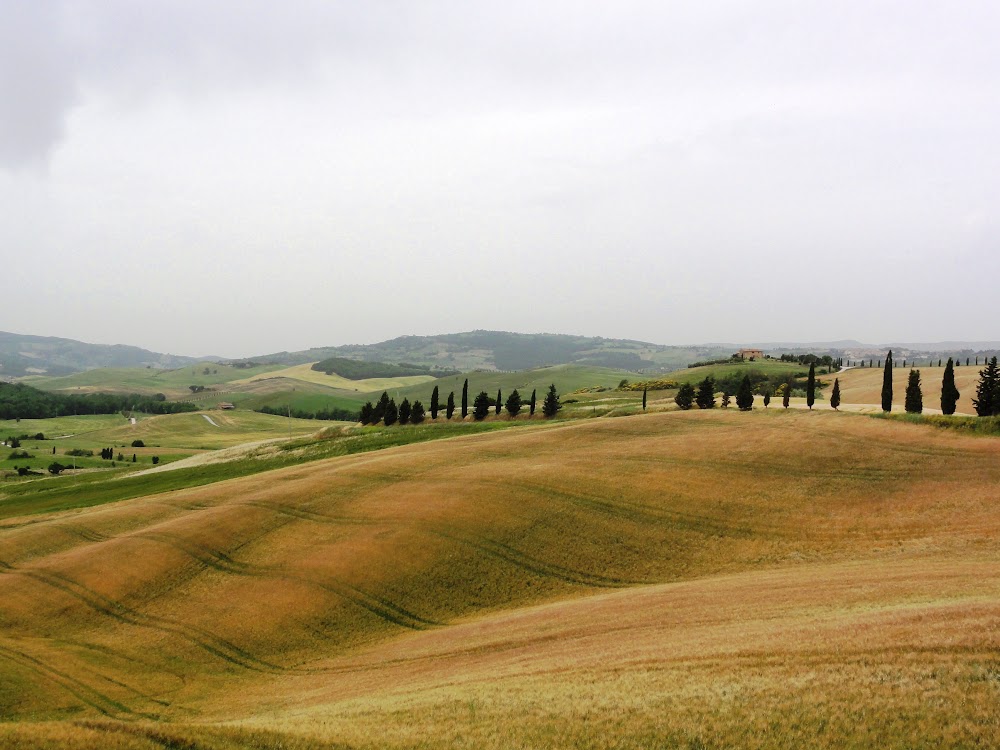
(240,178)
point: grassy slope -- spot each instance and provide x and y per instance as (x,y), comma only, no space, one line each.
(864,386)
(173,383)
(847,591)
(566,378)
(306,374)
(767,366)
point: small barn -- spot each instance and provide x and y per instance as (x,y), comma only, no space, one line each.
(750,354)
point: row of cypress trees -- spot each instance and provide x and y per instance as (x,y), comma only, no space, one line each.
(986,402)
(385,410)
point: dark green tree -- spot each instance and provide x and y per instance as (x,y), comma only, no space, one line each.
(767,397)
(786,396)
(366,413)
(499,403)
(744,395)
(685,396)
(481,406)
(706,394)
(404,411)
(465,399)
(449,408)
(725,399)
(987,400)
(551,405)
(391,413)
(914,395)
(949,393)
(887,384)
(133,458)
(513,404)
(416,413)
(644,399)
(378,413)
(531,404)
(435,403)
(811,386)
(55,467)
(835,396)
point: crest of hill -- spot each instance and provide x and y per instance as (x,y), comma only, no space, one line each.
(506,351)
(26,355)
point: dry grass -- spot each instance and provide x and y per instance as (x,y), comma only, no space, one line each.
(684,579)
(863,385)
(306,374)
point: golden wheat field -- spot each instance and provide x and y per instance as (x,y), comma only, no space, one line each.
(683,579)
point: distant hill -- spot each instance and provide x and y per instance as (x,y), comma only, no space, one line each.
(502,350)
(46,355)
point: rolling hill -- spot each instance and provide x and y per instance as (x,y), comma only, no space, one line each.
(697,579)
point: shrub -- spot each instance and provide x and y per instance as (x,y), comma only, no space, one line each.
(156,460)
(19,454)
(138,444)
(79,452)
(55,468)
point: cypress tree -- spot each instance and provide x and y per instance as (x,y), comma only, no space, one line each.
(404,411)
(835,396)
(465,399)
(706,394)
(949,393)
(767,398)
(498,402)
(744,395)
(939,362)
(378,413)
(887,384)
(531,404)
(786,397)
(366,413)
(391,413)
(435,403)
(513,404)
(551,405)
(914,396)
(725,399)
(481,406)
(685,396)
(987,400)
(449,409)
(811,386)
(417,413)
(644,399)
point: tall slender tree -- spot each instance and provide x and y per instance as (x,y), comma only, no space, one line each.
(887,384)
(465,399)
(499,403)
(744,395)
(531,404)
(404,411)
(914,395)
(949,392)
(987,400)
(811,386)
(767,397)
(378,413)
(449,408)
(835,395)
(391,413)
(435,403)
(644,399)
(786,396)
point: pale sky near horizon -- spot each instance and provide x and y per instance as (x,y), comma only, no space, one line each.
(237,178)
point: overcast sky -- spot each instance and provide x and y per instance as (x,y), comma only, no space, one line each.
(237,177)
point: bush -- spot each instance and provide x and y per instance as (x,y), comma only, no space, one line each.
(138,444)
(19,454)
(55,468)
(83,452)
(156,460)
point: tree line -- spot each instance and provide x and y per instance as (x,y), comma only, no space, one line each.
(21,401)
(986,401)
(386,411)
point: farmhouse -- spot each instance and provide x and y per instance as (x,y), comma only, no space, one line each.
(751,354)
